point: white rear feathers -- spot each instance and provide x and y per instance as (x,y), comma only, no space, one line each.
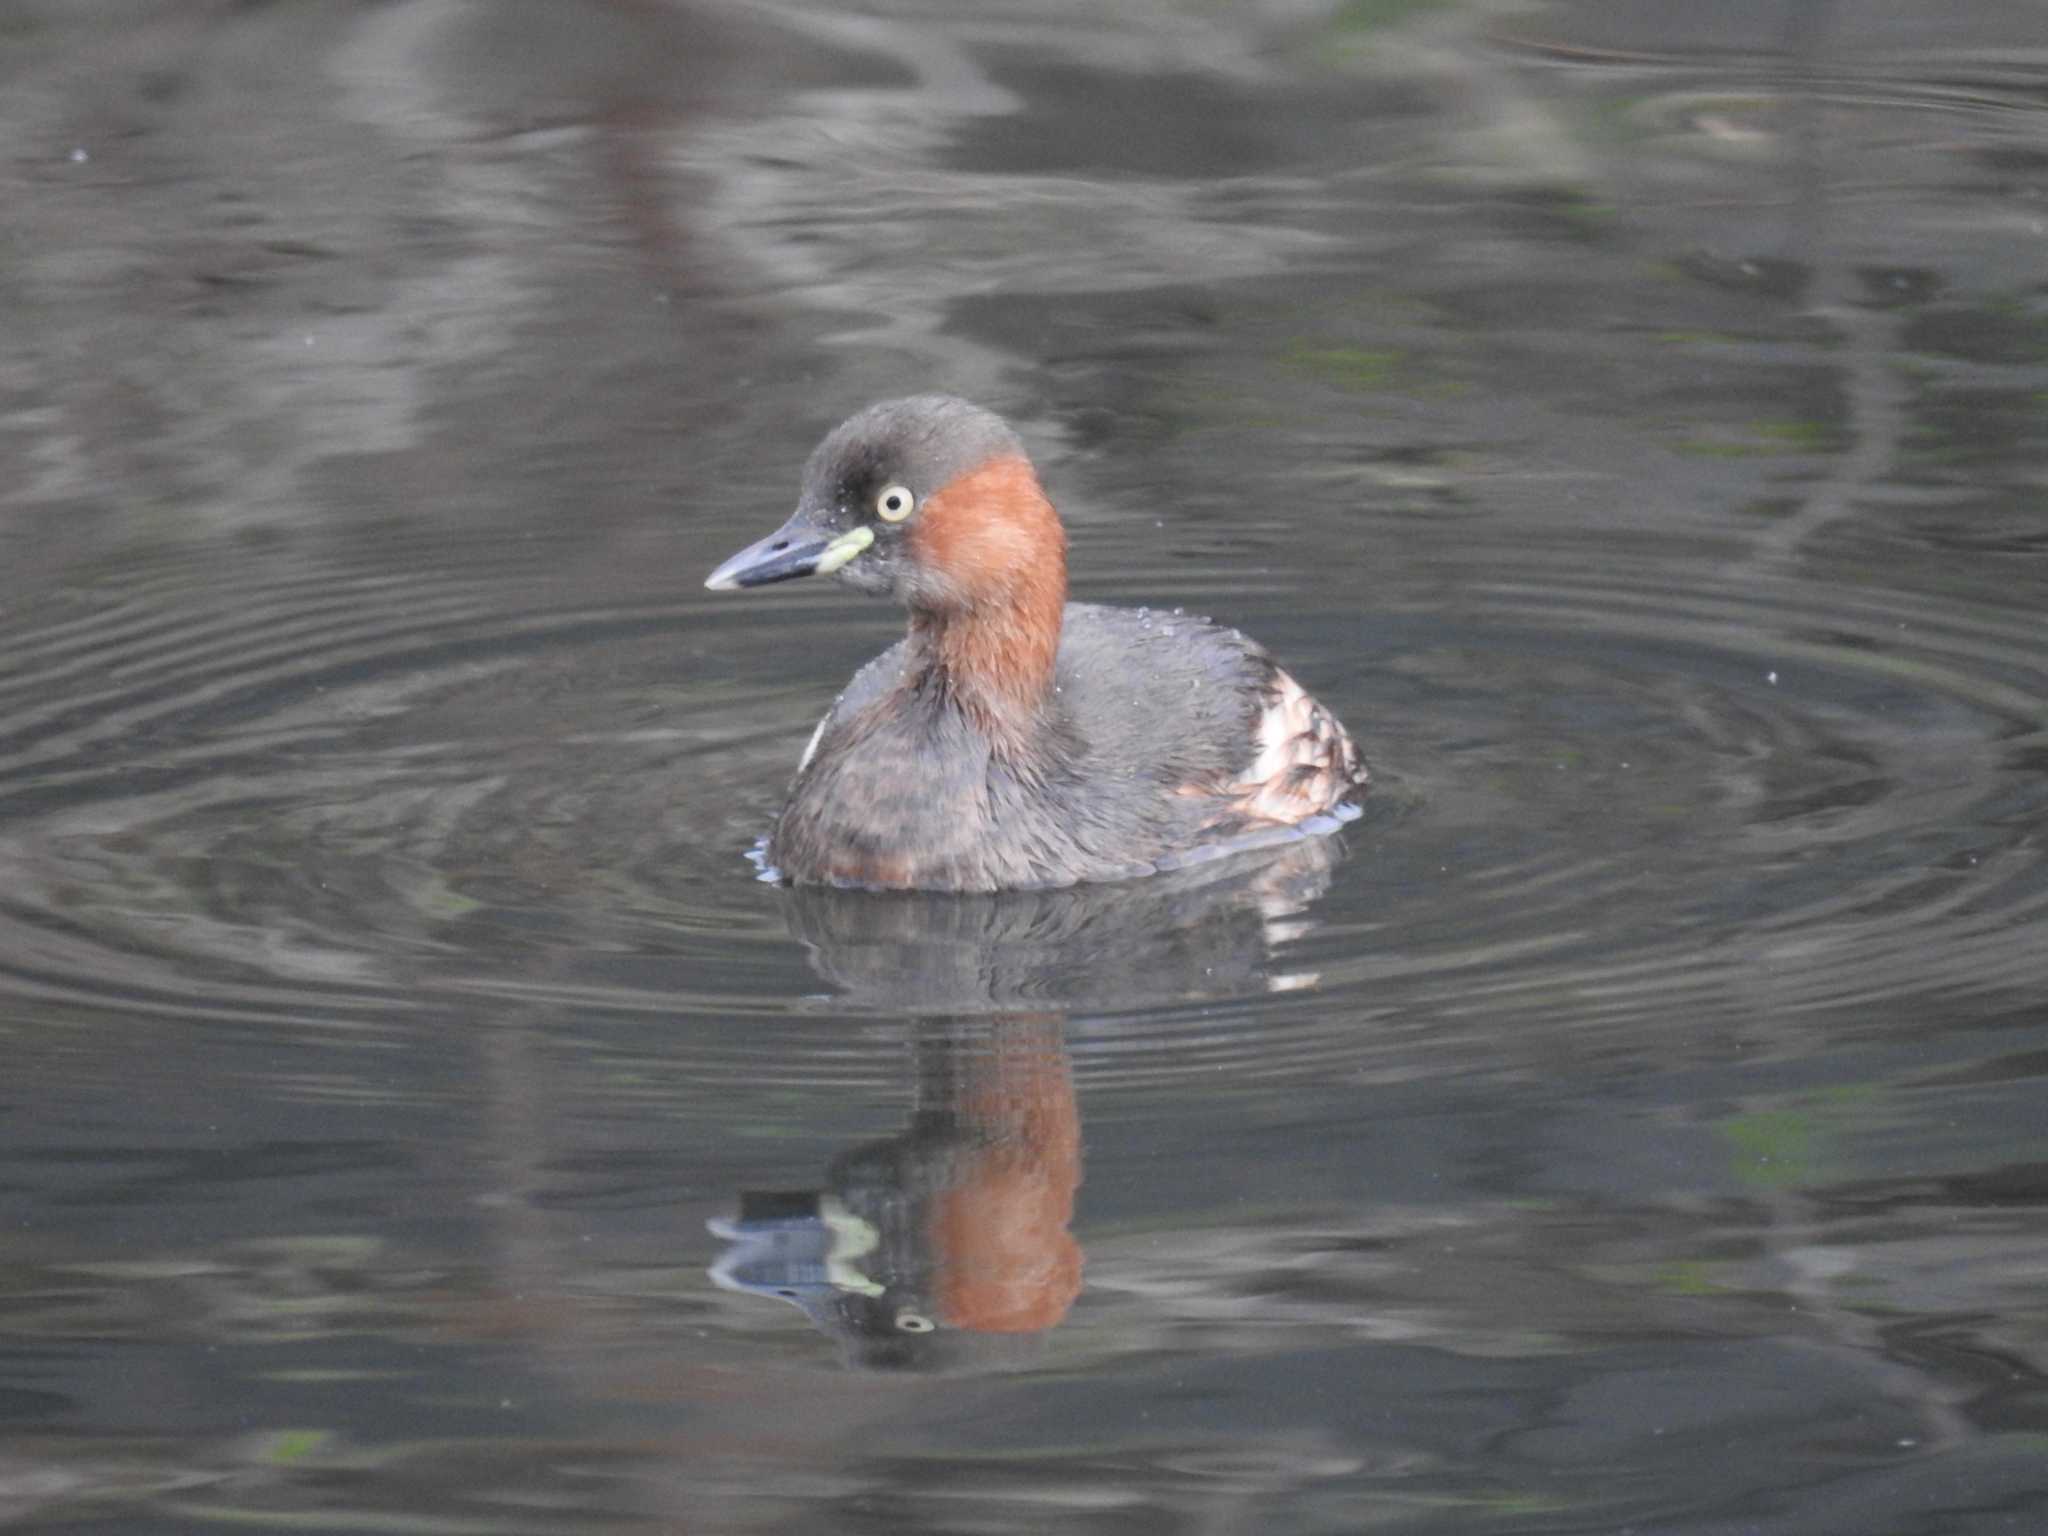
(1305,763)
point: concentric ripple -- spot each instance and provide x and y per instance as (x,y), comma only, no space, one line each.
(288,794)
(337,796)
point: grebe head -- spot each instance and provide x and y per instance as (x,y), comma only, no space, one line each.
(928,499)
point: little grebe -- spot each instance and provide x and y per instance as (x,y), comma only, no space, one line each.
(1013,739)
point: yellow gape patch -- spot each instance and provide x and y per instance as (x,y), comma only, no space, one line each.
(844,548)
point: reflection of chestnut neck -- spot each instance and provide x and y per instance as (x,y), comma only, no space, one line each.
(1004,1260)
(992,590)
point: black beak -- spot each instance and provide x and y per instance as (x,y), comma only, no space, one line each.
(791,551)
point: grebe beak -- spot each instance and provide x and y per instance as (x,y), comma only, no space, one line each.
(798,548)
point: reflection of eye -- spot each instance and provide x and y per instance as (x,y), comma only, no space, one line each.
(914,1322)
(895,503)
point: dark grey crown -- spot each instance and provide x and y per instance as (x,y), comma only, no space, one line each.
(922,441)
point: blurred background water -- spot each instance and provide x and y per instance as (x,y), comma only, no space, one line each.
(1628,416)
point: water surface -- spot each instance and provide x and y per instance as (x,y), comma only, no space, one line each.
(1627,417)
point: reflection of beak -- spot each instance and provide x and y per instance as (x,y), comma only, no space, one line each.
(793,1246)
(798,548)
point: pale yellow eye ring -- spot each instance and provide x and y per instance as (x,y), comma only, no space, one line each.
(895,503)
(914,1322)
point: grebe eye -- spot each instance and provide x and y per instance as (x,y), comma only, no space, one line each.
(914,1322)
(895,503)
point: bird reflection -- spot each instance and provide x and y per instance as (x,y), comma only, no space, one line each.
(947,1246)
(1208,931)
(955,1228)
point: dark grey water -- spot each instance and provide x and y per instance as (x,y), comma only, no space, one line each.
(1627,416)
